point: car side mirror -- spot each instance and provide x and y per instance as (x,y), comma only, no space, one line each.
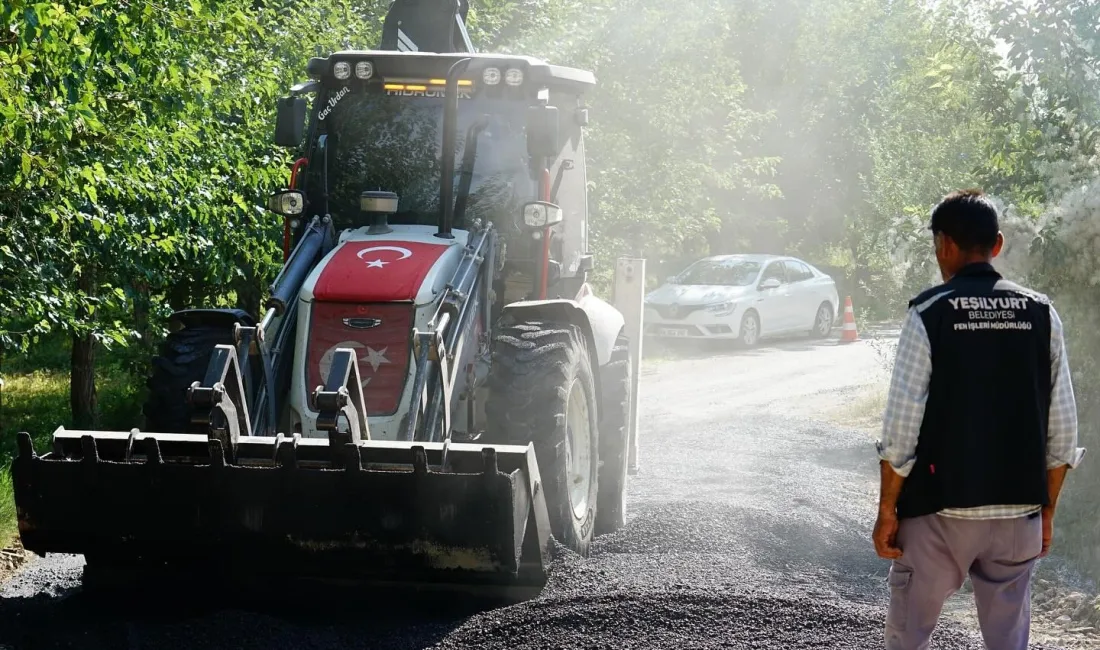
(542,131)
(290,121)
(770,283)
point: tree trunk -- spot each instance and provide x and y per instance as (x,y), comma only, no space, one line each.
(1,386)
(141,313)
(139,356)
(177,296)
(248,293)
(82,393)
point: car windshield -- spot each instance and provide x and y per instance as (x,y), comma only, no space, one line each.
(383,140)
(730,273)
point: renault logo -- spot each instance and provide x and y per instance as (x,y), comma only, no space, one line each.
(362,323)
(674,310)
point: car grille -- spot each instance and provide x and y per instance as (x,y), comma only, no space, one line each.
(676,312)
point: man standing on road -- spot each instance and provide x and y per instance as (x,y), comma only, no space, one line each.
(979,431)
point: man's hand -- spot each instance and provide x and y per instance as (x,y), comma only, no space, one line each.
(1055,477)
(885,536)
(886,526)
(1048,530)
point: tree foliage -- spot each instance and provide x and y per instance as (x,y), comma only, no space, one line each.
(136,140)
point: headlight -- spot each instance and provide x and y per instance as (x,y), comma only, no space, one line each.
(341,70)
(540,214)
(364,70)
(514,77)
(288,203)
(491,76)
(722,308)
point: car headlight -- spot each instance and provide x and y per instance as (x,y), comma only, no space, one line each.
(722,308)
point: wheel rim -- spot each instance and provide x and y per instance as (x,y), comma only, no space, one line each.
(823,320)
(750,330)
(578,442)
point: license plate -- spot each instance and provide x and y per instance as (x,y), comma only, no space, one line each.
(667,331)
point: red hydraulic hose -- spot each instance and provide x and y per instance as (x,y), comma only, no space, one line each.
(286,220)
(545,235)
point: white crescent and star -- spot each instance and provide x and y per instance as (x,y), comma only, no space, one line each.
(374,357)
(379,263)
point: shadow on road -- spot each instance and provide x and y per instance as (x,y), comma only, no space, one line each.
(213,619)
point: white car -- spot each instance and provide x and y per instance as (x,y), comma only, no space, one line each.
(744,297)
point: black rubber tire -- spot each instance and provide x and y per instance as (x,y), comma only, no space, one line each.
(832,317)
(534,366)
(615,381)
(184,356)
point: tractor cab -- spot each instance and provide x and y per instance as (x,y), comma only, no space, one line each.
(378,123)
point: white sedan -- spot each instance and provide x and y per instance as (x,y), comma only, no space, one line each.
(744,297)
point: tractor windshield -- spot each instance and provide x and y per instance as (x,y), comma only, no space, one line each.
(378,140)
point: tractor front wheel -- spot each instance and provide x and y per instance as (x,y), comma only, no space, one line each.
(542,391)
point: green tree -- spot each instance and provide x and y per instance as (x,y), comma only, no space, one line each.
(137,151)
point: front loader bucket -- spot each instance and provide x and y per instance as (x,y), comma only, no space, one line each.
(421,514)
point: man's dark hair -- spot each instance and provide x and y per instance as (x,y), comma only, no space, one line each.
(969,218)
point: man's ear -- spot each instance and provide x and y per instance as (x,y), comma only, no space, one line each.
(947,246)
(998,245)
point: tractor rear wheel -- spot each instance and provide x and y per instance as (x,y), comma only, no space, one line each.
(542,391)
(615,381)
(184,356)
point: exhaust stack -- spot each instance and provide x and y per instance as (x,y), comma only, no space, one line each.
(427,26)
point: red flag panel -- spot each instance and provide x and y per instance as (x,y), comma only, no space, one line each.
(377,271)
(380,335)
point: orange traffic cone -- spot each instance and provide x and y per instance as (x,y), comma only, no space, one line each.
(849,333)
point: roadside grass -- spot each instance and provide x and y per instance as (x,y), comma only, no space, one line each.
(864,410)
(37,401)
(7,509)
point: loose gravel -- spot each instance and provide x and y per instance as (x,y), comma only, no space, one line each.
(746,530)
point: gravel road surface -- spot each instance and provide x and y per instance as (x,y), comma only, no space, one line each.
(749,528)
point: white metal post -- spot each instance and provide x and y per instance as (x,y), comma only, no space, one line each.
(629,298)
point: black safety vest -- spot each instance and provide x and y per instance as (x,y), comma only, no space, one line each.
(983,438)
